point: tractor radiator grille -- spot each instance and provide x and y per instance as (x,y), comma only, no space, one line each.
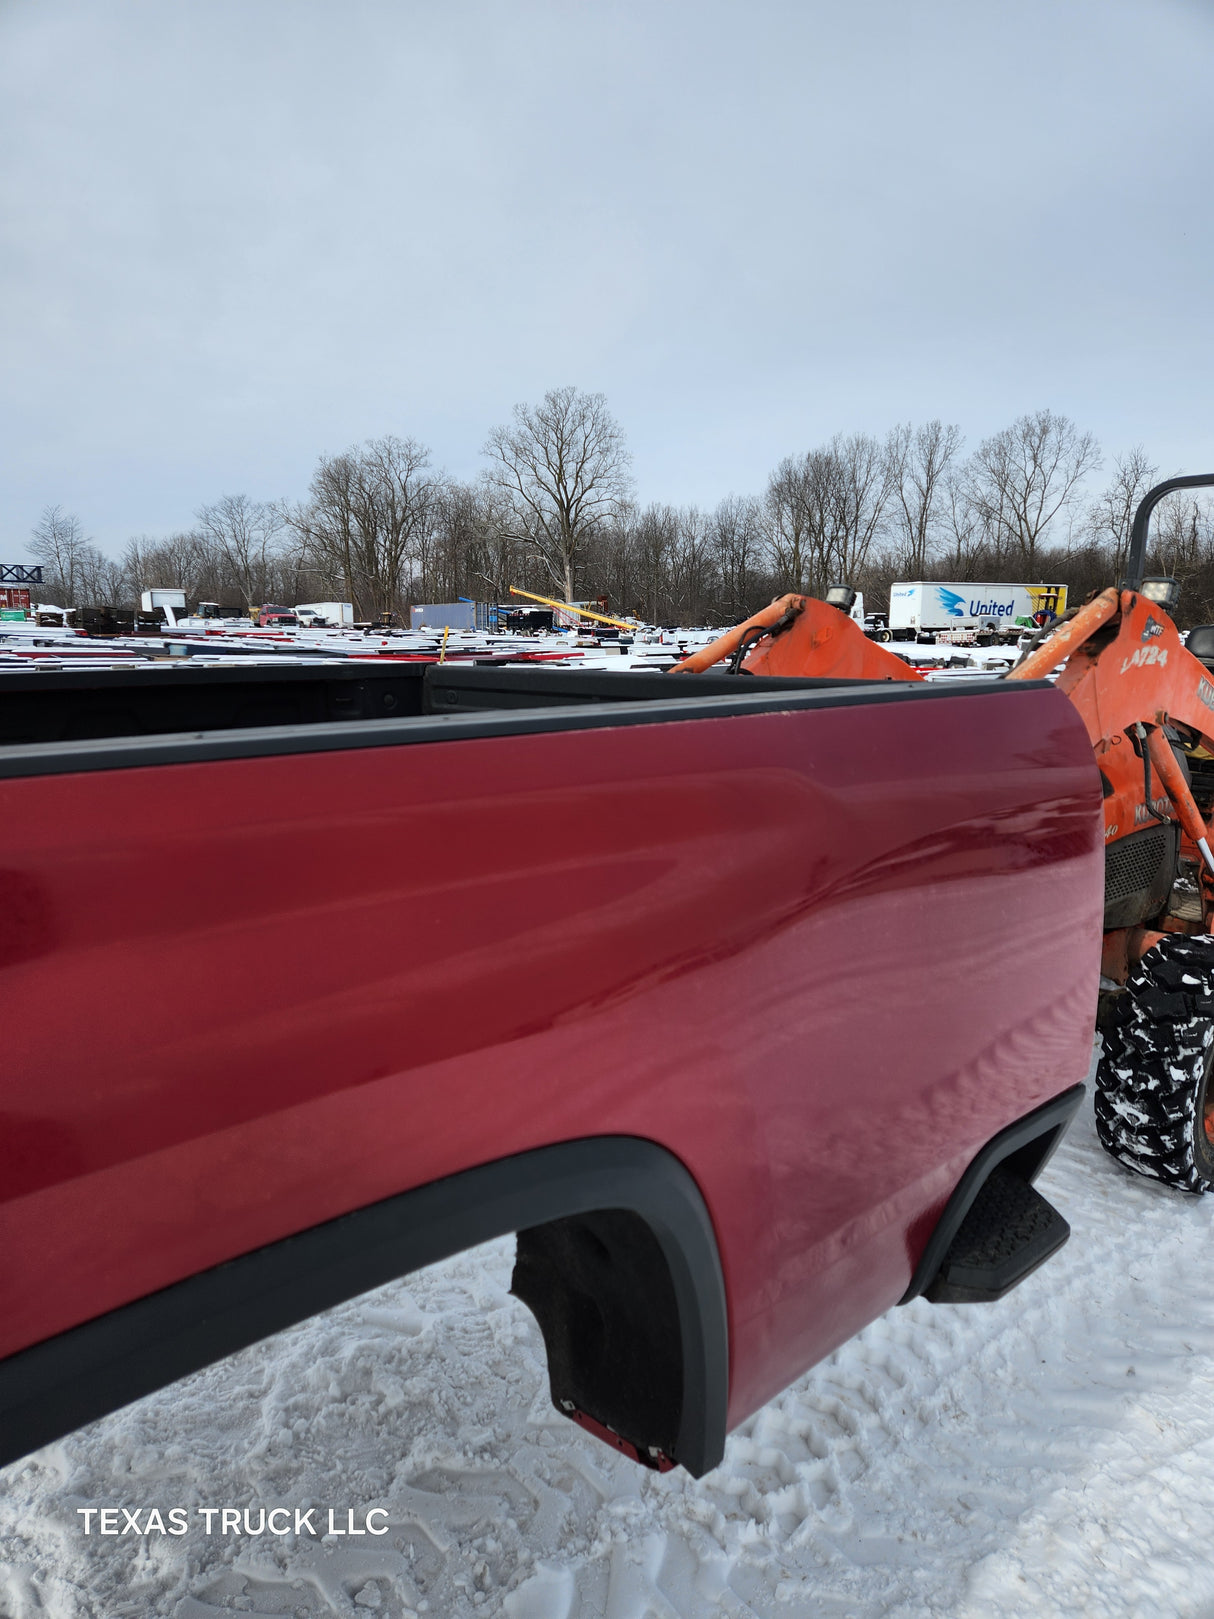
(1138,874)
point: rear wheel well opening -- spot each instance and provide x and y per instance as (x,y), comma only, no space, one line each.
(591,1213)
(601,1289)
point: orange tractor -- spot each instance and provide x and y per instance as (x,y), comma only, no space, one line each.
(1147,701)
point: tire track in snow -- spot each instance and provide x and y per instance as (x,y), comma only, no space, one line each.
(1052,1453)
(1040,1397)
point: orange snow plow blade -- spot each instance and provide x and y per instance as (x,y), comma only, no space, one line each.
(799,635)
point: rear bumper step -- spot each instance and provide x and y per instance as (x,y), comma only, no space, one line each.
(1009,1230)
(995,1229)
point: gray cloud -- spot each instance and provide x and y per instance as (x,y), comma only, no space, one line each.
(236,235)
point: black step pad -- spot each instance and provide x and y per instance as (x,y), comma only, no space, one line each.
(1008,1232)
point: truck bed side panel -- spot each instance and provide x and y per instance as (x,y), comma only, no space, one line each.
(820,956)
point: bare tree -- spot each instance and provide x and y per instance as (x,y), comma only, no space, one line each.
(552,509)
(248,535)
(798,497)
(919,459)
(693,582)
(1182,537)
(859,494)
(102,580)
(182,561)
(1111,515)
(1024,477)
(469,550)
(825,509)
(326,526)
(59,543)
(369,520)
(395,506)
(656,534)
(737,536)
(561,470)
(965,528)
(612,568)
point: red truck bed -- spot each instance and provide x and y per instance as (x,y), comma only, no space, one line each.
(718,996)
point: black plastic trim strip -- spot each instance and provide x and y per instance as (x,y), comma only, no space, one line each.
(82,1374)
(464,689)
(128,753)
(189,674)
(1030,1141)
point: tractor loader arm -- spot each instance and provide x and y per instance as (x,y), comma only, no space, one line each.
(1125,664)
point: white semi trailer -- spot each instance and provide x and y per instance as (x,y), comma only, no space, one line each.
(929,606)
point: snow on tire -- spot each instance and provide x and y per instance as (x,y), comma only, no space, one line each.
(1154,1095)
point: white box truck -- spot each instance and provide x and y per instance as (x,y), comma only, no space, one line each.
(928,606)
(325,615)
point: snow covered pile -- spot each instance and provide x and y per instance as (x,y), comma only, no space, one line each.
(1052,1454)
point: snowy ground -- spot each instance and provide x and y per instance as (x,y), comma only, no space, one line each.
(1049,1455)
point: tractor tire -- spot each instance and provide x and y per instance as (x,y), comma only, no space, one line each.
(1154,1090)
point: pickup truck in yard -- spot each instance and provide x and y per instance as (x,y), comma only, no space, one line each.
(752,1005)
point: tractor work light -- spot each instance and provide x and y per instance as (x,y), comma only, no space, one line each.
(841,596)
(1164,592)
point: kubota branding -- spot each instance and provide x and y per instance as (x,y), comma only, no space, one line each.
(1205,693)
(1161,806)
(1153,654)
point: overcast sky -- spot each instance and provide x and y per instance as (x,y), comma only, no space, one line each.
(235,236)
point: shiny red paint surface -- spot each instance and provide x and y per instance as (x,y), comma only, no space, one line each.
(821,956)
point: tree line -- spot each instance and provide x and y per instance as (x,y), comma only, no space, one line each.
(555,512)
